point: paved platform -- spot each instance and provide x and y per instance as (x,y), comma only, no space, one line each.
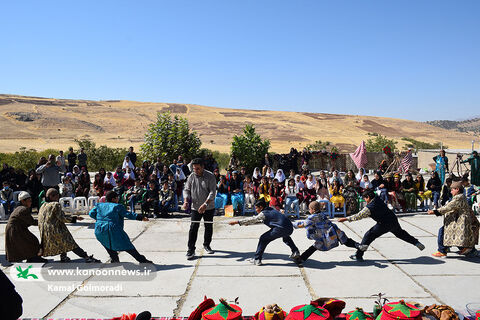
(176,286)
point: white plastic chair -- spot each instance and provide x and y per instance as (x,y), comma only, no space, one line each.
(67,204)
(15,197)
(80,205)
(92,202)
(475,208)
(2,213)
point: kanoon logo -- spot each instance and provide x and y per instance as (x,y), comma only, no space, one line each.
(25,274)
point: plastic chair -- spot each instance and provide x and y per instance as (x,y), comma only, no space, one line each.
(291,212)
(80,205)
(92,202)
(2,213)
(15,197)
(303,207)
(327,205)
(67,204)
(333,212)
(475,208)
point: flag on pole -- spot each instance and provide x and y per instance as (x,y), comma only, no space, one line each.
(406,162)
(360,156)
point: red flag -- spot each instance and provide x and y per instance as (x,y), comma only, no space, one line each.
(360,156)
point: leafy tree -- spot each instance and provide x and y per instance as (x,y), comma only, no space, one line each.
(318,145)
(422,145)
(168,138)
(377,142)
(249,148)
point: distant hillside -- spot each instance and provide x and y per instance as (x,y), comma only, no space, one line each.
(471,125)
(41,123)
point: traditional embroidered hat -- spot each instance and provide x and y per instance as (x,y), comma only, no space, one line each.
(359,314)
(223,311)
(197,313)
(310,311)
(270,312)
(334,306)
(23,195)
(399,311)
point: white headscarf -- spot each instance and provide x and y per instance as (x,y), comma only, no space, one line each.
(360,174)
(269,173)
(311,184)
(130,175)
(179,175)
(256,173)
(127,164)
(110,181)
(299,184)
(280,176)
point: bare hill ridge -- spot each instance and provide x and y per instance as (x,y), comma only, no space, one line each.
(41,123)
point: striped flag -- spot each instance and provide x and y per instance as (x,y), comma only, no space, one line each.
(360,156)
(406,162)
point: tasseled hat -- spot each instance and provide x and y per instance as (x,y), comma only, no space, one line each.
(310,311)
(204,305)
(223,311)
(400,311)
(271,312)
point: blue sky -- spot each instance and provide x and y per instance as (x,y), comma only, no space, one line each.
(405,59)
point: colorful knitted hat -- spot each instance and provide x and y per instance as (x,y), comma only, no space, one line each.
(310,311)
(333,306)
(270,313)
(223,311)
(359,314)
(197,313)
(399,311)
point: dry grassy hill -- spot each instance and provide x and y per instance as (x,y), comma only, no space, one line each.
(42,123)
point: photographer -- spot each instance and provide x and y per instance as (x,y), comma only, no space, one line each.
(50,173)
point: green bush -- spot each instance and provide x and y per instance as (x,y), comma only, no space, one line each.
(422,145)
(103,156)
(168,138)
(378,142)
(249,148)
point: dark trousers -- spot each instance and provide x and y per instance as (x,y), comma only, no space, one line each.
(78,251)
(164,208)
(133,252)
(380,229)
(149,204)
(271,235)
(350,243)
(193,233)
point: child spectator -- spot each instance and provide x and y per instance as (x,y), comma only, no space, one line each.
(165,199)
(291,200)
(66,187)
(119,188)
(221,198)
(134,194)
(365,183)
(248,190)
(151,199)
(276,195)
(98,185)
(6,198)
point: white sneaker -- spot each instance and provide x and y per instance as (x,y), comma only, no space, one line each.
(255,262)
